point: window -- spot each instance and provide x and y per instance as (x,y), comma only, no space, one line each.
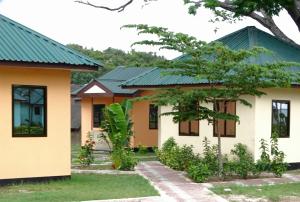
(188,128)
(226,128)
(29,111)
(98,115)
(153,116)
(281,118)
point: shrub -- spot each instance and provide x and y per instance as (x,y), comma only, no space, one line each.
(278,166)
(210,156)
(163,154)
(243,163)
(86,156)
(264,163)
(179,158)
(199,171)
(142,149)
(123,159)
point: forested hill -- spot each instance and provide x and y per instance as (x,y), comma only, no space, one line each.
(112,58)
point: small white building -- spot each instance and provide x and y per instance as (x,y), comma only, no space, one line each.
(279,109)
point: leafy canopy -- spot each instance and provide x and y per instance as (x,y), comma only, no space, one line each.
(112,58)
(223,74)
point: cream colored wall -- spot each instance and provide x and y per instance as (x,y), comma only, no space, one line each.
(23,157)
(244,130)
(263,113)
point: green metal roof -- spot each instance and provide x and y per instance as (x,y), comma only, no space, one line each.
(245,38)
(113,79)
(21,44)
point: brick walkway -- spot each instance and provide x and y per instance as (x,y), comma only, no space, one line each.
(173,186)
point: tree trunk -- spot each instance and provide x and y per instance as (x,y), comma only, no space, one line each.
(220,160)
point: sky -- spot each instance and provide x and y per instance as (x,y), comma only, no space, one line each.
(68,22)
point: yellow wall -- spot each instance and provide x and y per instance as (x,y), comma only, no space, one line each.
(140,117)
(23,157)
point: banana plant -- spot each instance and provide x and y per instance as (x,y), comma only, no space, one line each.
(118,124)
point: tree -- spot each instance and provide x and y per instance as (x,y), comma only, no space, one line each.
(262,11)
(227,75)
(112,58)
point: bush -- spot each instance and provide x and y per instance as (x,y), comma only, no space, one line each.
(164,153)
(174,156)
(86,156)
(123,159)
(243,163)
(210,157)
(142,149)
(179,158)
(278,166)
(199,171)
(264,163)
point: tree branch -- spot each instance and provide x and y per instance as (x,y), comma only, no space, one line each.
(265,20)
(118,9)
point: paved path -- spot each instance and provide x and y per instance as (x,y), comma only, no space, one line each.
(174,186)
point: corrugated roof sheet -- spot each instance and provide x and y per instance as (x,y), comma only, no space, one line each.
(21,44)
(113,79)
(124,73)
(245,38)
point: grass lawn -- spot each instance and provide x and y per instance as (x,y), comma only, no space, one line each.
(80,187)
(271,192)
(94,167)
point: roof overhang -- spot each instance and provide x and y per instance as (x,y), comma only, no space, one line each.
(21,64)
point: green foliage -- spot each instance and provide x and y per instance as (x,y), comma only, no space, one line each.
(142,149)
(237,8)
(112,58)
(264,163)
(118,126)
(86,156)
(278,166)
(210,156)
(243,162)
(199,171)
(124,159)
(215,64)
(174,156)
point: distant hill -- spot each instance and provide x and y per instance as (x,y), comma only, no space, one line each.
(112,58)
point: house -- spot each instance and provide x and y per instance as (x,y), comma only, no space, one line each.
(279,109)
(106,90)
(35,104)
(75,116)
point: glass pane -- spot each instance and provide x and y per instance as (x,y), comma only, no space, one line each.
(153,116)
(98,115)
(280,118)
(219,127)
(37,111)
(21,111)
(195,127)
(29,111)
(184,127)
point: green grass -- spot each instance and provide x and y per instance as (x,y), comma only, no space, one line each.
(80,187)
(94,167)
(271,192)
